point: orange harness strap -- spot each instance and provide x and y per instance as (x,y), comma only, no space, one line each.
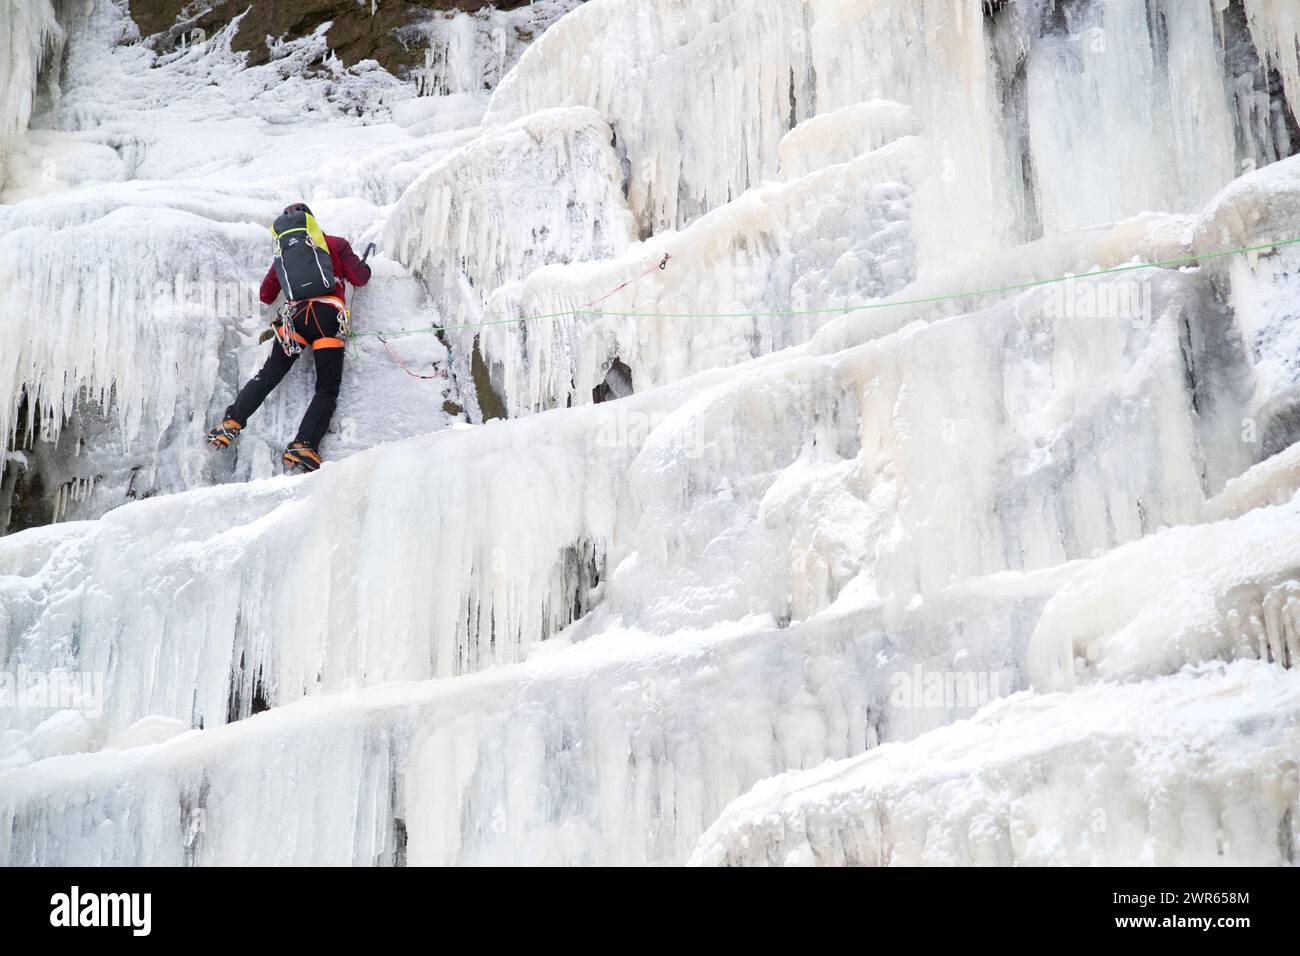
(324,342)
(328,300)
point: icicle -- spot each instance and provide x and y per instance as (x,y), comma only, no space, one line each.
(471,52)
(1218,591)
(782,247)
(1275,25)
(28,29)
(1196,769)
(542,190)
(934,456)
(89,300)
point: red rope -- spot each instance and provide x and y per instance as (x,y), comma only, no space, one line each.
(662,264)
(402,365)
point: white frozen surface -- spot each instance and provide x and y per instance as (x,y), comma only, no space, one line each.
(28,29)
(765,490)
(840,136)
(471,52)
(1132,101)
(1196,769)
(828,240)
(800,537)
(545,189)
(1225,590)
(620,750)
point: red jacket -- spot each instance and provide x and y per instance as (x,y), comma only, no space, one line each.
(347,265)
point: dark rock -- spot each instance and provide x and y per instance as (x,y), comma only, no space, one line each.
(616,384)
(356,34)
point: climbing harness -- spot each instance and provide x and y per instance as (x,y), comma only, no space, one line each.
(292,341)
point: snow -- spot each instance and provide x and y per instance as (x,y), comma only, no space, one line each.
(838,236)
(1195,769)
(620,749)
(1223,590)
(843,135)
(28,30)
(1013,551)
(696,504)
(471,52)
(545,189)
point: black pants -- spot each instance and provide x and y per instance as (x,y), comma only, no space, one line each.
(318,326)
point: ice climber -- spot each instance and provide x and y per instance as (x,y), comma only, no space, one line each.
(310,268)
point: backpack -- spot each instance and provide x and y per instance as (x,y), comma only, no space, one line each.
(302,257)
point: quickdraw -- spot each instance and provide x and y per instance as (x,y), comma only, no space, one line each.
(661,267)
(282,329)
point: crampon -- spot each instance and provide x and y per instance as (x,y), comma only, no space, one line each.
(300,458)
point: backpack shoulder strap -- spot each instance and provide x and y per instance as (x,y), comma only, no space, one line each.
(317,233)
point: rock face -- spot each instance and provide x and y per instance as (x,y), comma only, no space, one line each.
(357,32)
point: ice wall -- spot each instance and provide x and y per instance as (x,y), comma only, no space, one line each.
(619,749)
(838,236)
(1275,27)
(28,30)
(638,66)
(1224,591)
(471,52)
(1083,115)
(1197,769)
(85,296)
(207,634)
(488,769)
(843,135)
(545,189)
(987,87)
(772,491)
(597,756)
